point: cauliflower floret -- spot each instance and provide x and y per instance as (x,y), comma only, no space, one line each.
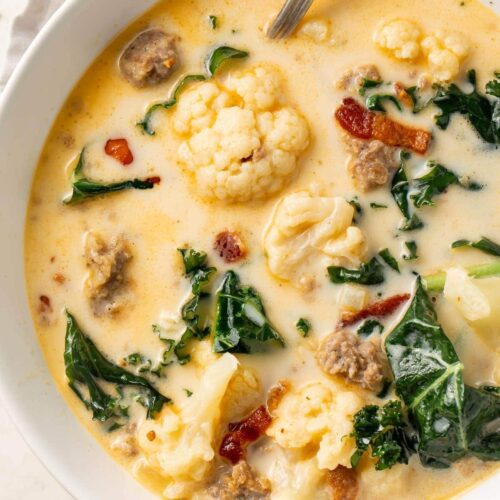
(465,295)
(180,444)
(316,415)
(239,140)
(307,233)
(444,53)
(400,37)
(316,30)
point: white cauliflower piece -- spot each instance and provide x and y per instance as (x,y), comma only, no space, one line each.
(400,37)
(444,53)
(180,444)
(308,232)
(316,30)
(314,415)
(465,295)
(239,140)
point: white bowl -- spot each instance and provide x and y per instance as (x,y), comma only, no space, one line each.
(48,72)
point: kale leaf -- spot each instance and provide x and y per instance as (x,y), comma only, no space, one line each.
(213,21)
(303,326)
(412,250)
(437,180)
(368,84)
(214,61)
(241,324)
(452,420)
(86,366)
(388,433)
(484,244)
(386,256)
(369,273)
(400,189)
(418,103)
(377,205)
(196,269)
(483,114)
(374,102)
(84,188)
(368,327)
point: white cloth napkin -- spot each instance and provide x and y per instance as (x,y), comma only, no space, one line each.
(24,28)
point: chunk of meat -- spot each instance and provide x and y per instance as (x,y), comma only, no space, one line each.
(376,309)
(119,150)
(230,246)
(239,483)
(362,123)
(150,58)
(106,284)
(248,430)
(353,79)
(344,353)
(344,483)
(371,162)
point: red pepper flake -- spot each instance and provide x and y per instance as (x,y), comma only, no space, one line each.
(119,150)
(45,305)
(230,246)
(154,180)
(377,310)
(365,124)
(242,433)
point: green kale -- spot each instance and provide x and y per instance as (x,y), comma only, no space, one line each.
(484,244)
(483,114)
(374,102)
(214,61)
(389,259)
(412,250)
(451,419)
(303,326)
(354,202)
(387,431)
(368,84)
(188,392)
(436,181)
(213,21)
(86,366)
(385,388)
(196,269)
(369,326)
(241,324)
(369,273)
(377,205)
(418,104)
(84,188)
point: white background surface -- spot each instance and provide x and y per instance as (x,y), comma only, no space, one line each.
(22,476)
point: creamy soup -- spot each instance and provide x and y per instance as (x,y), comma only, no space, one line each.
(316,335)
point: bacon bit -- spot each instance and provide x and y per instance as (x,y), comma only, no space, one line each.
(230,246)
(52,259)
(154,180)
(344,483)
(365,124)
(402,95)
(377,309)
(59,278)
(119,150)
(45,305)
(242,433)
(151,435)
(276,394)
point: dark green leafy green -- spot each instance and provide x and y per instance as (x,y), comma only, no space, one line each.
(369,326)
(386,256)
(484,244)
(241,324)
(452,420)
(214,61)
(196,268)
(386,430)
(483,114)
(400,189)
(303,326)
(374,102)
(368,84)
(188,393)
(412,250)
(354,202)
(385,388)
(377,205)
(418,103)
(85,189)
(369,273)
(86,366)
(436,181)
(213,21)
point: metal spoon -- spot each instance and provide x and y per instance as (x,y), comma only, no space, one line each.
(288,18)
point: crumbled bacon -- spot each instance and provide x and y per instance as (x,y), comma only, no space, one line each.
(344,483)
(242,433)
(119,150)
(376,309)
(230,246)
(59,278)
(45,305)
(154,180)
(365,124)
